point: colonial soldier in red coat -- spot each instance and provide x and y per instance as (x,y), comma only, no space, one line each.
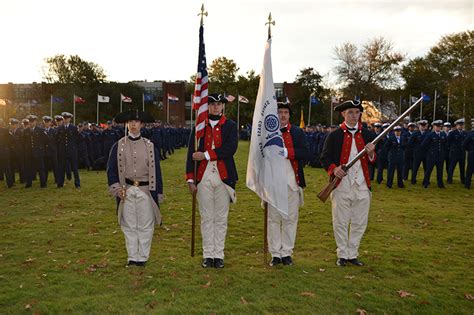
(282,228)
(351,199)
(216,178)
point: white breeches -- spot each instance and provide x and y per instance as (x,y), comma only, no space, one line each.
(281,228)
(137,223)
(214,202)
(350,212)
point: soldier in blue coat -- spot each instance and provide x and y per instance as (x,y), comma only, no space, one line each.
(395,147)
(376,130)
(5,146)
(408,163)
(67,138)
(434,145)
(34,141)
(419,155)
(156,136)
(109,137)
(381,155)
(17,156)
(456,152)
(468,146)
(50,149)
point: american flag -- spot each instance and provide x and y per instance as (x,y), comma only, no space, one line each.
(200,89)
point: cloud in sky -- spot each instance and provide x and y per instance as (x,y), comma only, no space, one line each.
(157,40)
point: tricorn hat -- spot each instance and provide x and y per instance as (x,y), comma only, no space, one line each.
(134,114)
(215,98)
(349,104)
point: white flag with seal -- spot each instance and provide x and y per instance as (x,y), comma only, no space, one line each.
(103,99)
(266,168)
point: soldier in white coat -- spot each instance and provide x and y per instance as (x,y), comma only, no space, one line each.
(134,178)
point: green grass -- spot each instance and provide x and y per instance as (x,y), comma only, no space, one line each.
(61,251)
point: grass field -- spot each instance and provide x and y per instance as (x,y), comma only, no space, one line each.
(61,251)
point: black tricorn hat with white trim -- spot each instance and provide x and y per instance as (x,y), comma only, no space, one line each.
(216,98)
(349,104)
(134,114)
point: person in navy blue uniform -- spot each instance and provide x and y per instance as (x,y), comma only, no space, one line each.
(381,155)
(419,155)
(435,146)
(377,129)
(50,149)
(447,128)
(395,146)
(34,140)
(156,136)
(96,143)
(408,159)
(5,153)
(109,137)
(82,148)
(457,154)
(67,138)
(214,184)
(17,152)
(468,146)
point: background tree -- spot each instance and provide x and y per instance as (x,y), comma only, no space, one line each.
(222,75)
(72,69)
(309,82)
(364,72)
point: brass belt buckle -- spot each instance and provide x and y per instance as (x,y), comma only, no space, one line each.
(136,183)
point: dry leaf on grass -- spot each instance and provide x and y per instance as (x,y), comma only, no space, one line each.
(404,294)
(469,296)
(207,285)
(151,305)
(361,311)
(243,301)
(322,270)
(307,293)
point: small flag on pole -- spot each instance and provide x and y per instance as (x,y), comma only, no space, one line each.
(230,98)
(56,99)
(125,99)
(243,99)
(426,97)
(301,119)
(78,99)
(172,98)
(314,100)
(103,99)
(148,97)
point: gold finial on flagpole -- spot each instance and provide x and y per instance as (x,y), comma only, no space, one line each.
(202,14)
(270,23)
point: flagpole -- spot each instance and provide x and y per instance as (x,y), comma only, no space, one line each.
(238,114)
(121,96)
(309,111)
(464,106)
(51,106)
(191,116)
(421,106)
(143,101)
(434,106)
(74,110)
(167,108)
(97,109)
(265,234)
(447,112)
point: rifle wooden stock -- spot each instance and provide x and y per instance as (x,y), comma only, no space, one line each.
(334,181)
(324,194)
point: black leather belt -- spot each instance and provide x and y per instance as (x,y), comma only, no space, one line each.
(135,182)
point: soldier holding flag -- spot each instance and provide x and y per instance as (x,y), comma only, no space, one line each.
(215,179)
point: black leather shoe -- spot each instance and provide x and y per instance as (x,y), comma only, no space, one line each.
(131,263)
(218,263)
(140,263)
(275,261)
(441,186)
(207,263)
(341,262)
(356,262)
(287,261)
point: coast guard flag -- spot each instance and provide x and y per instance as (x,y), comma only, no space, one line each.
(266,168)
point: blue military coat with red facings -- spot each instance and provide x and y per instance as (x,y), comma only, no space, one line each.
(337,149)
(295,143)
(225,139)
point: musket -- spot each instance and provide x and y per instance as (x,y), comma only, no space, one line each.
(334,181)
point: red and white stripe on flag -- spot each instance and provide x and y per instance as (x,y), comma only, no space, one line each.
(126,99)
(200,104)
